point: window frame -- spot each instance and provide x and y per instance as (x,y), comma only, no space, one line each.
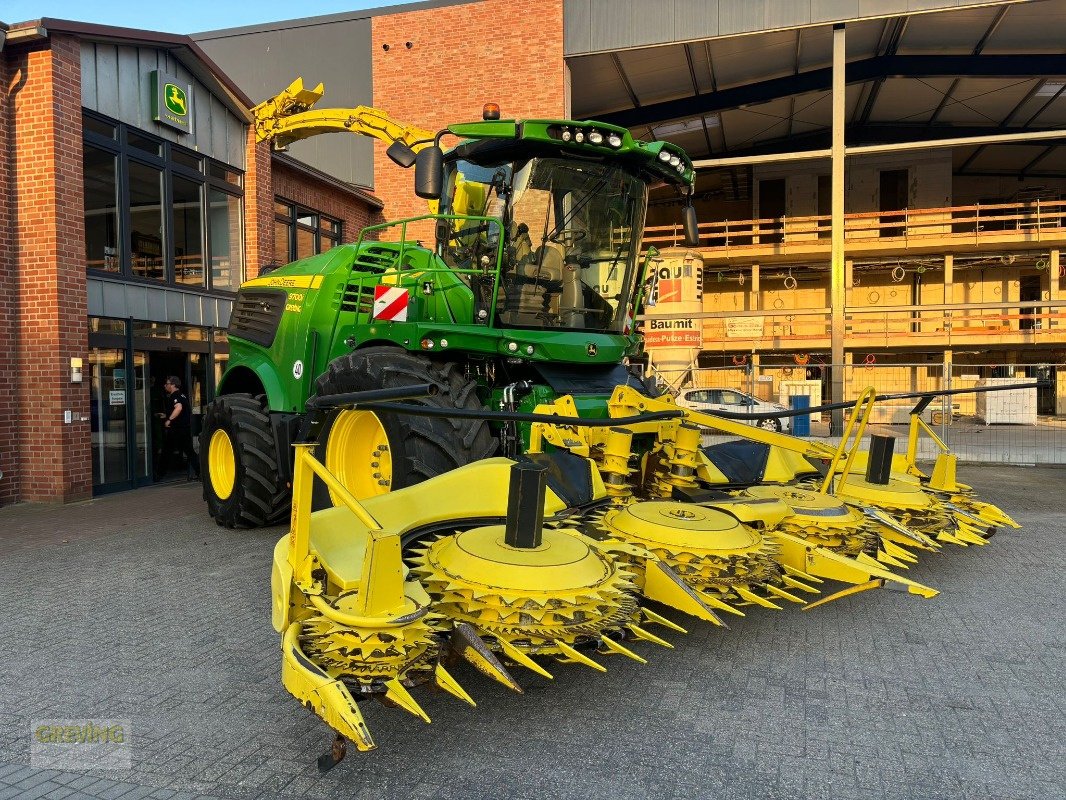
(294,212)
(126,153)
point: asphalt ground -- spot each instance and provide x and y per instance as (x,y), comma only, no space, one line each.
(137,607)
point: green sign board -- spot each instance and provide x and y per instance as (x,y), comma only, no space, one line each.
(171,102)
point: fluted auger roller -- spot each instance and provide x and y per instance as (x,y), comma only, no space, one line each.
(975,515)
(725,561)
(521,590)
(674,460)
(822,519)
(910,506)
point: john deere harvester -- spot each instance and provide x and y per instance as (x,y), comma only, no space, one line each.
(527,290)
(473,473)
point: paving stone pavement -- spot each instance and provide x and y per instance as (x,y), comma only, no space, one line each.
(138,607)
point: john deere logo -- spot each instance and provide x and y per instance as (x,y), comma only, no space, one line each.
(176,102)
(172,102)
(592,350)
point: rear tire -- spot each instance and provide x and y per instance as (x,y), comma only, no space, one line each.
(239,464)
(406,448)
(770,425)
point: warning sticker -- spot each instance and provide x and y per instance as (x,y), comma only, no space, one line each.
(390,303)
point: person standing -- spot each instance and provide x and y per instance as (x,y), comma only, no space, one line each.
(177,428)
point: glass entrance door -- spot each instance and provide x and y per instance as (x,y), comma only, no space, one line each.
(108,417)
(143,446)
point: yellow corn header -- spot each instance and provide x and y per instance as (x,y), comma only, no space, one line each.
(579,551)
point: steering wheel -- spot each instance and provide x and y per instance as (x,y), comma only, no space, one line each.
(568,238)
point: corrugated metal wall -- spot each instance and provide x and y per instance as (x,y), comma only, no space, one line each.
(116,81)
(594,26)
(263,62)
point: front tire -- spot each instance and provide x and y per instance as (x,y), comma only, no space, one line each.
(239,464)
(770,425)
(372,453)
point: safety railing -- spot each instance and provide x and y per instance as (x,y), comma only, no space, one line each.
(1033,221)
(1011,425)
(940,325)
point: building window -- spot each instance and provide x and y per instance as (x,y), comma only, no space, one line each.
(300,232)
(100,170)
(157,212)
(146,221)
(227,255)
(188,232)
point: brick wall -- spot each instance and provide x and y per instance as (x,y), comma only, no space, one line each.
(44,175)
(460,58)
(258,207)
(305,190)
(8,304)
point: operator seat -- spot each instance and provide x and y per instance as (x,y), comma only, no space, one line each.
(543,290)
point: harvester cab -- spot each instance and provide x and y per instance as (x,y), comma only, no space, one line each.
(528,291)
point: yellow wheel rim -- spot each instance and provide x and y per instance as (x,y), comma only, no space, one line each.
(358,454)
(222,464)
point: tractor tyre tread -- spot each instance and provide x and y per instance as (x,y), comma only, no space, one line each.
(430,445)
(259,497)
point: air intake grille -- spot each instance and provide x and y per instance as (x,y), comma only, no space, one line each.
(358,298)
(256,315)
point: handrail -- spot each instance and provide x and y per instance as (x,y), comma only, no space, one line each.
(865,402)
(1024,217)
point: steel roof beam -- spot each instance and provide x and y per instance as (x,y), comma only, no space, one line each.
(899,28)
(895,66)
(991,29)
(886,138)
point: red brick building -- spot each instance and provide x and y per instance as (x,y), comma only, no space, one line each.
(127,228)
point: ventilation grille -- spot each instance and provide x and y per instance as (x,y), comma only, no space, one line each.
(358,298)
(256,315)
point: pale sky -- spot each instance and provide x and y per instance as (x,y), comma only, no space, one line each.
(187,16)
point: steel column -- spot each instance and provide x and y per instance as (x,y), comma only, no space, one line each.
(836,426)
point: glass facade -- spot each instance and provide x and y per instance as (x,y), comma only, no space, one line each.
(155,214)
(158,213)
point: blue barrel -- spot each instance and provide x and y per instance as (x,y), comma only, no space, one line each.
(801,425)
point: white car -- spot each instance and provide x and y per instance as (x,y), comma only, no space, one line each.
(714,399)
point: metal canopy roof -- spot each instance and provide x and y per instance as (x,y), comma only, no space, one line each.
(968,71)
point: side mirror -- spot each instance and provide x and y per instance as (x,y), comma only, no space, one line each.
(692,227)
(429,173)
(401,154)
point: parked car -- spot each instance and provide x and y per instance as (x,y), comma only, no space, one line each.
(717,399)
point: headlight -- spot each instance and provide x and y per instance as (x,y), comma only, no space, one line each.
(566,135)
(579,136)
(664,156)
(614,140)
(595,137)
(674,161)
(681,168)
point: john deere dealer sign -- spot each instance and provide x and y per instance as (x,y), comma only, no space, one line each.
(171,102)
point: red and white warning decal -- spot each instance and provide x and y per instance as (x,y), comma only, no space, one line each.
(390,303)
